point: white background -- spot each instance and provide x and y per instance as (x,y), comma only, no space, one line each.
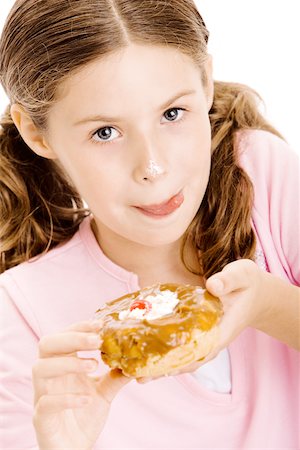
(255,42)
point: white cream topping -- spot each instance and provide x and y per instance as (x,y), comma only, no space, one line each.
(162,304)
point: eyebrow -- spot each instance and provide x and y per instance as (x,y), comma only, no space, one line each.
(103,118)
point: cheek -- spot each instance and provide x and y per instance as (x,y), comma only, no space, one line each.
(92,182)
(100,190)
(196,151)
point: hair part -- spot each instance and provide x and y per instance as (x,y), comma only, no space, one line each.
(43,44)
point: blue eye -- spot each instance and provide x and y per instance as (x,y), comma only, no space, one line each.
(173,114)
(104,135)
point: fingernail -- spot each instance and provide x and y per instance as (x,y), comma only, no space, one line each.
(94,341)
(96,323)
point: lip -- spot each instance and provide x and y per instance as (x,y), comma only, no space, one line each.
(164,208)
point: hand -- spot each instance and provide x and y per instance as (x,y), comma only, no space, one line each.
(240,287)
(71,406)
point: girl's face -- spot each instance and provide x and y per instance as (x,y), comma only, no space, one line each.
(132,130)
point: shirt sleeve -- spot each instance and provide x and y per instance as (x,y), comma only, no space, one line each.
(273,167)
(18,352)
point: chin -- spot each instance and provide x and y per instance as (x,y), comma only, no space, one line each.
(158,239)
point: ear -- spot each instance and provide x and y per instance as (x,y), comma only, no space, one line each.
(209,88)
(29,132)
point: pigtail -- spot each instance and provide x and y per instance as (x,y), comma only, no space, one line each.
(38,207)
(221,230)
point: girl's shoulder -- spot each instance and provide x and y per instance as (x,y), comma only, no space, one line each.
(262,146)
(271,164)
(35,265)
(269,161)
(29,288)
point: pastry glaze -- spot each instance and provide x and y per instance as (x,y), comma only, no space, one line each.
(130,344)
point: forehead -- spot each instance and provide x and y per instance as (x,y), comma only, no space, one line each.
(135,69)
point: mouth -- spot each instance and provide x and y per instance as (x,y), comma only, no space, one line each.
(163,209)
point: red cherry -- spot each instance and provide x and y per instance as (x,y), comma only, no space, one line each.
(141,304)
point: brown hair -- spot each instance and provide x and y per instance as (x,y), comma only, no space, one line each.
(42,44)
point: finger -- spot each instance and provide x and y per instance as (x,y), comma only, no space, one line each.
(236,275)
(111,383)
(55,367)
(87,325)
(49,404)
(66,343)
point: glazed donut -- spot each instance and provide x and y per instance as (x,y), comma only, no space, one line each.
(159,329)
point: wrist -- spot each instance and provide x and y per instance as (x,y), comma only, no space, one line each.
(279,310)
(265,300)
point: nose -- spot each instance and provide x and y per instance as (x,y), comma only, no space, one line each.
(149,164)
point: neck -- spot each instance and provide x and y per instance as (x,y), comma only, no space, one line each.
(161,264)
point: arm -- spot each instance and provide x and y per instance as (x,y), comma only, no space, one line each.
(281,318)
(18,351)
(274,170)
(269,302)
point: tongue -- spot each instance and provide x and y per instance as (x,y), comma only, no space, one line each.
(166,208)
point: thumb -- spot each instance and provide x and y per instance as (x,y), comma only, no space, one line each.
(111,383)
(236,275)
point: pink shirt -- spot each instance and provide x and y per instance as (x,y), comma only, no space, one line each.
(69,284)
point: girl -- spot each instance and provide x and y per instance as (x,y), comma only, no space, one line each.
(113,106)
